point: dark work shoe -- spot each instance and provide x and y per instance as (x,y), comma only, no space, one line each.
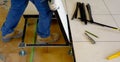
(54,37)
(8,37)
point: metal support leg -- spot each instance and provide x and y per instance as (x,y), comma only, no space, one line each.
(22,44)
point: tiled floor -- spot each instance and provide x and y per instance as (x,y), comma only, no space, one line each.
(106,12)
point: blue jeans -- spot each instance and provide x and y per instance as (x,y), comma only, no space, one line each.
(16,11)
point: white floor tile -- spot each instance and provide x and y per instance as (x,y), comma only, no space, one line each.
(113,6)
(97,6)
(117,19)
(86,52)
(105,19)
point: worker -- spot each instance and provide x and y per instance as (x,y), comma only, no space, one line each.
(16,10)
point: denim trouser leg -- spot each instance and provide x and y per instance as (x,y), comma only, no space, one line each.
(44,18)
(14,15)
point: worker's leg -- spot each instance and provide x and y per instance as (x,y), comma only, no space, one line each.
(44,17)
(44,21)
(14,15)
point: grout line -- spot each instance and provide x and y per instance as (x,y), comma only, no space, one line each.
(97,41)
(110,13)
(106,14)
